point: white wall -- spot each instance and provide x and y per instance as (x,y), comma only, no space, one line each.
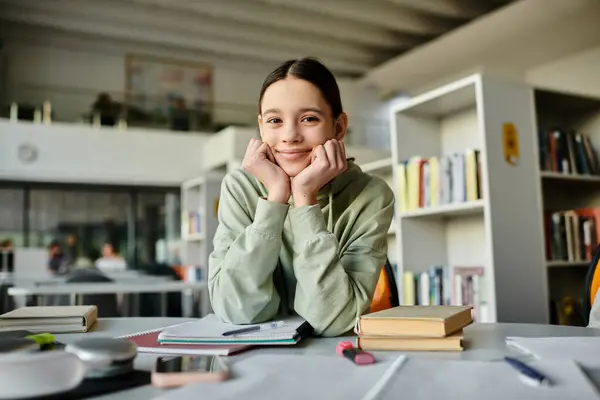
(81,154)
(578,73)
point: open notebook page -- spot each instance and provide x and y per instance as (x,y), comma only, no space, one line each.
(210,328)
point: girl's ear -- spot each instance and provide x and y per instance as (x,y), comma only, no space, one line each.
(341,126)
(260,126)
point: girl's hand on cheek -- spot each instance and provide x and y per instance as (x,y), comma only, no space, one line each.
(260,162)
(328,161)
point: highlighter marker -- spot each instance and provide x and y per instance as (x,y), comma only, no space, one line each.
(42,338)
(357,356)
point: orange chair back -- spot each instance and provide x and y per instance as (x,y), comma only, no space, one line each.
(592,284)
(386,292)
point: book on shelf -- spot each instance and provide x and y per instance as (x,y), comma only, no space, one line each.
(435,181)
(446,285)
(192,222)
(572,235)
(567,152)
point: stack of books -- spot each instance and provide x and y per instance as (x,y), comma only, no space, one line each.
(416,328)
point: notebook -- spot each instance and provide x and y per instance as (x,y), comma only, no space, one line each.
(209,330)
(415,321)
(147,342)
(52,319)
(452,342)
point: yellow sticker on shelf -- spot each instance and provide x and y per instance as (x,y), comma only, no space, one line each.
(510,140)
(216,207)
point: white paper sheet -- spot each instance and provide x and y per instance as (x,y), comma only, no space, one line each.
(302,377)
(425,379)
(584,350)
(296,377)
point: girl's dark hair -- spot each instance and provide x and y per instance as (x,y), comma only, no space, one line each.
(310,70)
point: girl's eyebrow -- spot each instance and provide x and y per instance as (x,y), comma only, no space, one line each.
(302,110)
(272,111)
(311,109)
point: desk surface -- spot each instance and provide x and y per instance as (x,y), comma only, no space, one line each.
(482,342)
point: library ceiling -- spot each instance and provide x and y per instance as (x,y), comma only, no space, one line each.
(350,36)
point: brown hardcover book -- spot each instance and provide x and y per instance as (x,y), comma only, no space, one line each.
(375,343)
(415,321)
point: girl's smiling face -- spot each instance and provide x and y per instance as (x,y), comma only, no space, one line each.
(295,118)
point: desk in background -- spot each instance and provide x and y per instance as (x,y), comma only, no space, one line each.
(74,290)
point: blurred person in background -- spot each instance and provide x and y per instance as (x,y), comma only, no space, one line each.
(106,108)
(110,260)
(6,256)
(58,262)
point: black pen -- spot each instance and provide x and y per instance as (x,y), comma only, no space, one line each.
(254,328)
(529,374)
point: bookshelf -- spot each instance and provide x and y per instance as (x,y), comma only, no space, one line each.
(568,137)
(466,219)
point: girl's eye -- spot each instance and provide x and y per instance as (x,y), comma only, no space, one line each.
(274,120)
(310,119)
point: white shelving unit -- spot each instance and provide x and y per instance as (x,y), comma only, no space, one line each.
(564,191)
(200,197)
(502,231)
(199,203)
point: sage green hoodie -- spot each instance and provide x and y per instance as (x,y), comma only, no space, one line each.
(321,262)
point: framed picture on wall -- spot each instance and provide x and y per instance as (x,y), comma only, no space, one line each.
(174,92)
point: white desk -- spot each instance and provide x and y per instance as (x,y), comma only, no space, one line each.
(117,276)
(75,289)
(106,287)
(482,341)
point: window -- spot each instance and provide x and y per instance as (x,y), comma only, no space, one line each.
(82,221)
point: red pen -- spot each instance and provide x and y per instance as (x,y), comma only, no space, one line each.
(357,356)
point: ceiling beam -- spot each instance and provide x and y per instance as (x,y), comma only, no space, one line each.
(543,34)
(254,12)
(158,18)
(19,34)
(132,33)
(376,13)
(462,9)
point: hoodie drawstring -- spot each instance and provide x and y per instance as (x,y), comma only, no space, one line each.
(330,217)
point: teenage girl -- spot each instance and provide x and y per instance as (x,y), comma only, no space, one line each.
(302,230)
